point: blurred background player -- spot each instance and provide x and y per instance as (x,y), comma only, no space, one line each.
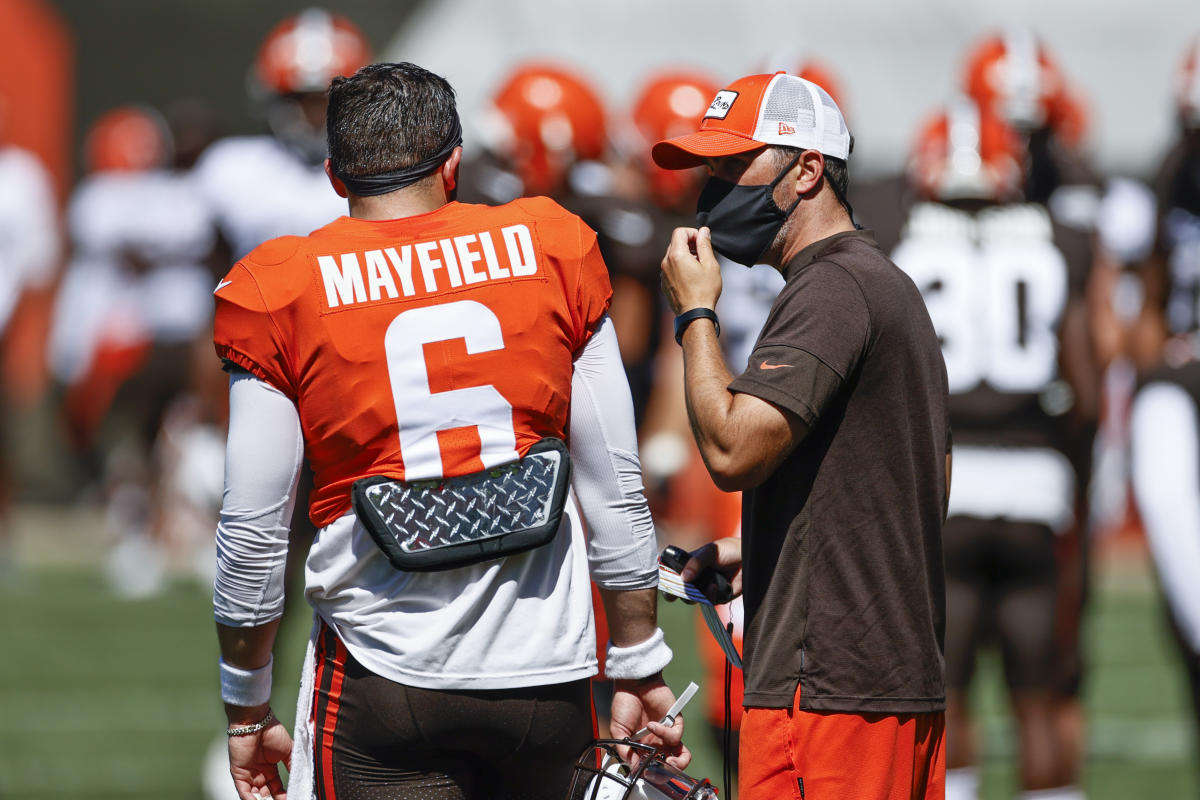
(1164,428)
(136,296)
(273,185)
(1172,275)
(1013,76)
(30,249)
(1001,281)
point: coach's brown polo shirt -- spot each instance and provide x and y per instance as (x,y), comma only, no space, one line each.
(844,590)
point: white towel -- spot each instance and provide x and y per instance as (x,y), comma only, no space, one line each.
(300,778)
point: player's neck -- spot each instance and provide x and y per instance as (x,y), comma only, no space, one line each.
(407,202)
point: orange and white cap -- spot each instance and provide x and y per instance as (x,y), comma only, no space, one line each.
(758,110)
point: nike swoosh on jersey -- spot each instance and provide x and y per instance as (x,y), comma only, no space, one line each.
(765,365)
(221,286)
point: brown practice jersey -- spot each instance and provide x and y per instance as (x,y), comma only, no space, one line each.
(429,346)
(842,545)
(997,283)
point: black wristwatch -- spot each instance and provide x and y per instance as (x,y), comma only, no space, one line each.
(688,317)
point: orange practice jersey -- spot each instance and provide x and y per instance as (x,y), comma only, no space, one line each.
(419,348)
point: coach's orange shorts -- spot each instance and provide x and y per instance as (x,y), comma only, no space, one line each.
(806,755)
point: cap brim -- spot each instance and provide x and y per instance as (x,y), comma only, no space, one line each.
(684,152)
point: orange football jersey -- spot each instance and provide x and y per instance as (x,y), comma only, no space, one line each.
(419,348)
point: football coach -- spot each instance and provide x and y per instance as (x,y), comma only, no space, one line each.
(837,434)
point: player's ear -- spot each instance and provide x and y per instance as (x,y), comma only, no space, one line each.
(449,169)
(335,181)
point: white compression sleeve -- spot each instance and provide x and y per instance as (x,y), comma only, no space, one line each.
(1166,483)
(606,474)
(263,457)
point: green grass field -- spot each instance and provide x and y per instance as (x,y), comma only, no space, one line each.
(108,698)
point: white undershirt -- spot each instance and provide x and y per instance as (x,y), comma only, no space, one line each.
(518,621)
(1166,482)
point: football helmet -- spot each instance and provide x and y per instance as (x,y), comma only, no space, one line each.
(1012,76)
(1187,87)
(292,71)
(127,138)
(543,119)
(964,153)
(600,774)
(669,104)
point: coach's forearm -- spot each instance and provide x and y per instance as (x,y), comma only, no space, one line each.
(710,407)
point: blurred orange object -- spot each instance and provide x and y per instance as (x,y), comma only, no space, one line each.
(548,118)
(128,138)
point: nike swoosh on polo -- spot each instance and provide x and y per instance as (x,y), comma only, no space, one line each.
(221,286)
(765,365)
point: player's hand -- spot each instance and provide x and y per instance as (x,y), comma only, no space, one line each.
(254,762)
(691,274)
(642,703)
(724,554)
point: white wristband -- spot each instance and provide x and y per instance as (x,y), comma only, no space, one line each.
(639,660)
(246,687)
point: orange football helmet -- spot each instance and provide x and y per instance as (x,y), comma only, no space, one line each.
(965,153)
(292,71)
(305,52)
(670,104)
(1187,87)
(1012,76)
(544,119)
(129,139)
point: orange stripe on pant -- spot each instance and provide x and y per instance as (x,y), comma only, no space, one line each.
(327,689)
(786,752)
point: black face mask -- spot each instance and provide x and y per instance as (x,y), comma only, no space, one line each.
(744,220)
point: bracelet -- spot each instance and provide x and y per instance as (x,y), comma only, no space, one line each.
(243,730)
(246,687)
(688,317)
(638,661)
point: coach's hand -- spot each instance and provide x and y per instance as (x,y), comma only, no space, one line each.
(691,274)
(254,762)
(642,703)
(724,554)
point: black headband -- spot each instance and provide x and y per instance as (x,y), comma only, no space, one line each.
(384,182)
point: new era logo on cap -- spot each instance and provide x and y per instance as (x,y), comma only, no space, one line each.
(759,110)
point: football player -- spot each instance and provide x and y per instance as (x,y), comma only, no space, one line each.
(135,296)
(1163,430)
(273,185)
(424,354)
(1005,289)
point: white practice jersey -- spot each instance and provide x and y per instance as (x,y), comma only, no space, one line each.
(139,267)
(258,189)
(29,233)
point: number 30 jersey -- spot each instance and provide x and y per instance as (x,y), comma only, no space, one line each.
(997,283)
(424,347)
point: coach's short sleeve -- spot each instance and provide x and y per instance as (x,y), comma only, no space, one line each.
(245,331)
(811,344)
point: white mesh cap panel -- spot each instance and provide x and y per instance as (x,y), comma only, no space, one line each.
(799,113)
